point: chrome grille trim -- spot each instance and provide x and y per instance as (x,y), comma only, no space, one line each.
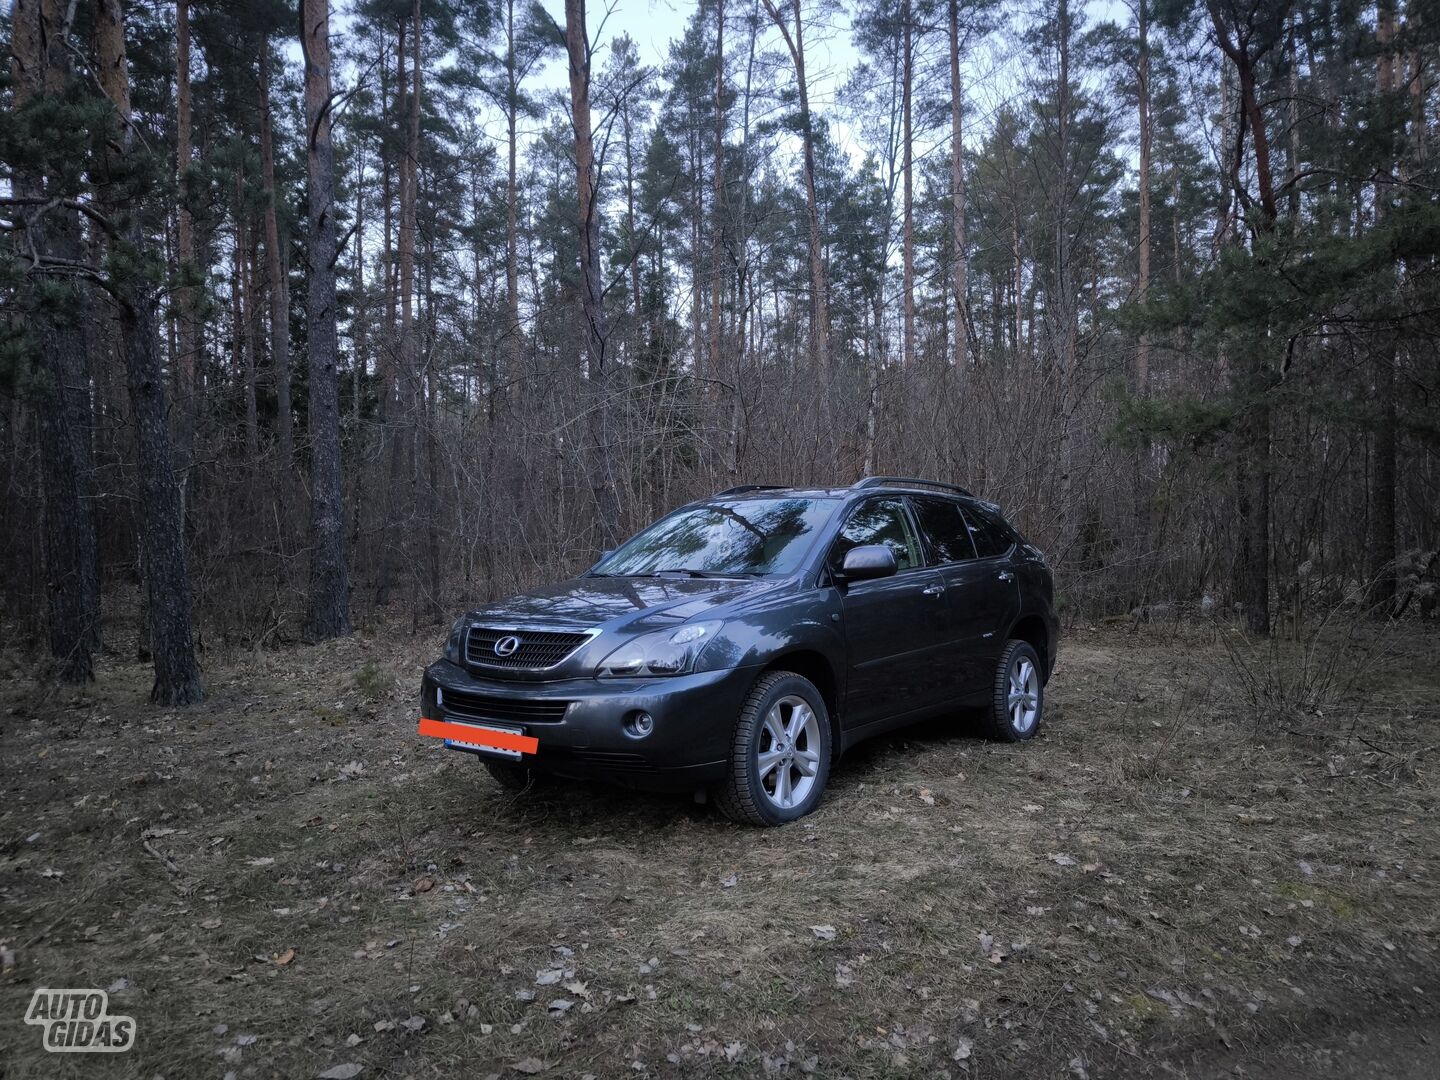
(539,649)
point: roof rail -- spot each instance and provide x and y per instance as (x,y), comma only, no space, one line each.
(909,481)
(743,488)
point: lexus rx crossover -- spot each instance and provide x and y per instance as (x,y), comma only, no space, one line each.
(740,644)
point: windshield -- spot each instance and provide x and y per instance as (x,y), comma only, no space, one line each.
(741,537)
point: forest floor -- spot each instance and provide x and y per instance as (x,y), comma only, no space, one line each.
(1169,881)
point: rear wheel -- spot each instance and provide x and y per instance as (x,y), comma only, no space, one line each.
(780,757)
(1017,704)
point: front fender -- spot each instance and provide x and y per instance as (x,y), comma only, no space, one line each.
(809,622)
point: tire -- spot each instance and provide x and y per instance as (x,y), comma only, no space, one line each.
(783,720)
(514,778)
(1017,703)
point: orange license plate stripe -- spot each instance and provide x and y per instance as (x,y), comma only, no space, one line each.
(502,740)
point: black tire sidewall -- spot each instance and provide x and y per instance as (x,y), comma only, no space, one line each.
(801,687)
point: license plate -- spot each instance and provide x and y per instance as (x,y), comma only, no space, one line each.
(506,742)
(498,751)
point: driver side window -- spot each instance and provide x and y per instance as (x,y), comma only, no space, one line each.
(879,521)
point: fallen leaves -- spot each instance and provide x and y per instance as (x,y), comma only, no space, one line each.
(348,1071)
(284,958)
(529,1066)
(990,950)
(824,933)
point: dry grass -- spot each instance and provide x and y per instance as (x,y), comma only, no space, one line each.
(1160,884)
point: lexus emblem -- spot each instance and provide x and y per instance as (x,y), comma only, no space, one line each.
(507,645)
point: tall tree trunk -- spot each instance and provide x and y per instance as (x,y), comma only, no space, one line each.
(819,289)
(632,237)
(278,285)
(717,206)
(1062,323)
(409,177)
(59,391)
(1017,261)
(1142,283)
(601,466)
(186,338)
(400,421)
(1252,376)
(242,344)
(167,577)
(513,334)
(1382,499)
(359,368)
(700,356)
(957,189)
(328,606)
(389,181)
(907,236)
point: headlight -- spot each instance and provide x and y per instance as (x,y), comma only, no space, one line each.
(668,652)
(455,643)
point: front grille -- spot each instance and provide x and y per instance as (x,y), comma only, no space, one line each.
(537,649)
(466,706)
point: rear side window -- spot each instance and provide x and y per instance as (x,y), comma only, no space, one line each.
(944,529)
(879,521)
(991,535)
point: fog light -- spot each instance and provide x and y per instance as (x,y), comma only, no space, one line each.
(639,724)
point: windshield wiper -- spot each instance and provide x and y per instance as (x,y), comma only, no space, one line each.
(688,572)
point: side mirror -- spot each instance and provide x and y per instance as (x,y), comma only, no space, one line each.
(868,561)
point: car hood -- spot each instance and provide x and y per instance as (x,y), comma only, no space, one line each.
(620,604)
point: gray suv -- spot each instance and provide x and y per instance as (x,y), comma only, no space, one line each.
(740,644)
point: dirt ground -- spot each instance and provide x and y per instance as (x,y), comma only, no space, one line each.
(1168,882)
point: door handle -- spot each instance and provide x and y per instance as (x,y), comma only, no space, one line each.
(1006,575)
(932,590)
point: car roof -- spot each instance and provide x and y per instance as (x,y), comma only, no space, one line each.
(875,485)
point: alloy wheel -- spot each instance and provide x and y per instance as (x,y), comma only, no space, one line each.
(787,753)
(1023,699)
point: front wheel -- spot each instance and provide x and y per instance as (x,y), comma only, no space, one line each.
(1017,703)
(780,757)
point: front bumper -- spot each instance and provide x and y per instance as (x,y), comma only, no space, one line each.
(580,723)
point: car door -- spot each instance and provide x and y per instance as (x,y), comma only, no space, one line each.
(895,627)
(969,607)
(985,594)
